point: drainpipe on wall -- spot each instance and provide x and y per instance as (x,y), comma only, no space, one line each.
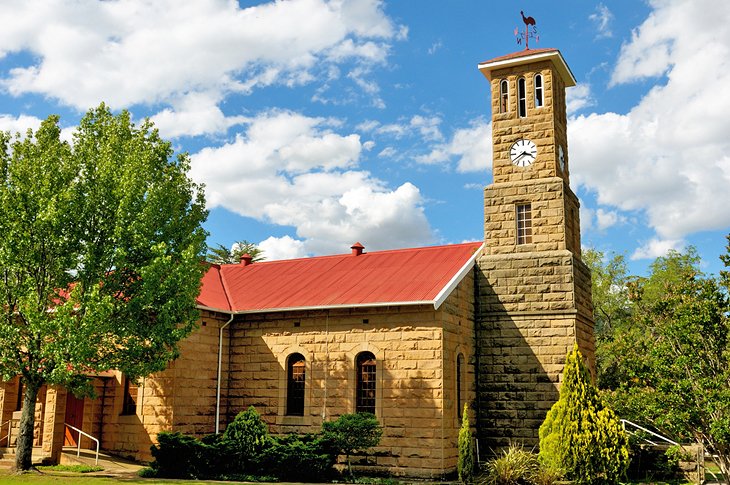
(218,384)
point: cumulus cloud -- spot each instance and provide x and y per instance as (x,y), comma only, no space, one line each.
(657,247)
(470,148)
(669,155)
(19,124)
(293,170)
(137,52)
(285,247)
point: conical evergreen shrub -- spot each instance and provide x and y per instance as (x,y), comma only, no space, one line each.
(465,465)
(580,435)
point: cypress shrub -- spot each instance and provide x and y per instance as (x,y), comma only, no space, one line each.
(580,435)
(465,465)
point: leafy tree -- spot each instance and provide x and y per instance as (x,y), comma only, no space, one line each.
(220,254)
(465,465)
(611,304)
(353,432)
(580,435)
(678,362)
(100,255)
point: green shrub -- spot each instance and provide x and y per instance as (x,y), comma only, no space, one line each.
(246,437)
(580,435)
(352,432)
(515,465)
(465,465)
(178,456)
(308,458)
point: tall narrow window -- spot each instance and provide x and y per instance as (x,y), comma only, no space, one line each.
(521,98)
(129,406)
(365,398)
(538,91)
(459,383)
(295,385)
(503,96)
(524,224)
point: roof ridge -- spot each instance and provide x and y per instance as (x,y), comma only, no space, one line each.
(341,255)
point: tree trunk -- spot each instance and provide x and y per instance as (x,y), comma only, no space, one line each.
(24,450)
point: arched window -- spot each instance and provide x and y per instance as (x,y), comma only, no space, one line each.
(295,374)
(459,383)
(365,393)
(503,96)
(538,91)
(521,98)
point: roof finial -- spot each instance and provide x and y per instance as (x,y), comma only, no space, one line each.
(528,21)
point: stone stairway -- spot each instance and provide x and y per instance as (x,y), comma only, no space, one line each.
(7,458)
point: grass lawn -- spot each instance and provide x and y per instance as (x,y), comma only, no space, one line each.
(43,479)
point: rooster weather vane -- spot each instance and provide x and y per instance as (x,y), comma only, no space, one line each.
(528,33)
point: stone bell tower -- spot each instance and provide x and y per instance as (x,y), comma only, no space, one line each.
(534,292)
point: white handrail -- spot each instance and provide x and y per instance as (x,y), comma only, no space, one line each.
(624,422)
(78,443)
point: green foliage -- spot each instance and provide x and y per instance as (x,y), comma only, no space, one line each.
(71,468)
(307,458)
(351,433)
(677,359)
(219,254)
(100,254)
(245,452)
(465,465)
(580,435)
(247,435)
(515,465)
(519,466)
(179,456)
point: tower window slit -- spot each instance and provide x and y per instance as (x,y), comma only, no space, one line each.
(503,96)
(521,98)
(538,91)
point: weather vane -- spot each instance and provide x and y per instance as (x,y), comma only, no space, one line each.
(529,22)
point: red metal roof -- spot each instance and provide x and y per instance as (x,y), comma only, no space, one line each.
(402,276)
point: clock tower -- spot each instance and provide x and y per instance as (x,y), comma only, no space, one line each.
(534,292)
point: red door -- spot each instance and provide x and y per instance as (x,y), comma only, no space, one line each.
(74,417)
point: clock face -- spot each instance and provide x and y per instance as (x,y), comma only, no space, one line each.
(561,158)
(523,153)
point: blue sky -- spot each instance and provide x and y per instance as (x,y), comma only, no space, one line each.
(315,124)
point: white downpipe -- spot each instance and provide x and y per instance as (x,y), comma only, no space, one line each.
(218,384)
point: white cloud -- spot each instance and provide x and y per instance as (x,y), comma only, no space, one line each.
(471,147)
(435,47)
(139,52)
(602,19)
(19,124)
(292,170)
(578,97)
(669,155)
(285,247)
(658,247)
(608,218)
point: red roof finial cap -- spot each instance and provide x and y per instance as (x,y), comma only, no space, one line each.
(246,259)
(357,249)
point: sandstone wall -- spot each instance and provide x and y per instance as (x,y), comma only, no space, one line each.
(415,349)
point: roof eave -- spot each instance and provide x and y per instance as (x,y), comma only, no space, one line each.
(454,282)
(318,307)
(486,68)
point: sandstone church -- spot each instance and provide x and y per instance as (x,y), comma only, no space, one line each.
(410,334)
